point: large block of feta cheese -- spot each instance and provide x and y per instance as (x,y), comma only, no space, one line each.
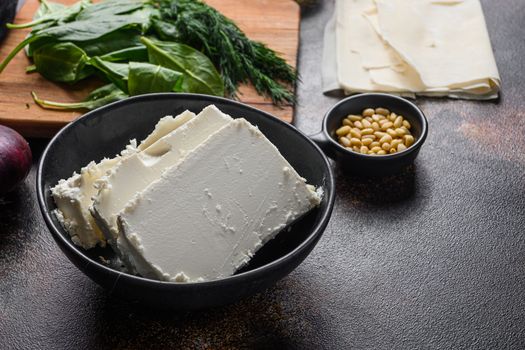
(207,215)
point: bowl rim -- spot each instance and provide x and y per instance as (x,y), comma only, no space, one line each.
(419,115)
(65,241)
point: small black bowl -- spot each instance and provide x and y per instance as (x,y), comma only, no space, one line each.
(105,132)
(370,165)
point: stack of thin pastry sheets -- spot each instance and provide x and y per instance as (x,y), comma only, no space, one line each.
(410,47)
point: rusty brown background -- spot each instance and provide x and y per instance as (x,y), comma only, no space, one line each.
(431,259)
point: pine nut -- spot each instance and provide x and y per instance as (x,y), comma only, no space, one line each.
(392,150)
(364,149)
(344,141)
(398,122)
(406,124)
(355,132)
(369,136)
(355,142)
(376,149)
(377,117)
(348,122)
(382,111)
(409,140)
(400,132)
(396,142)
(386,139)
(342,131)
(358,124)
(367,131)
(401,147)
(367,141)
(382,152)
(367,124)
(375,126)
(368,112)
(380,134)
(374,144)
(354,118)
(387,126)
(385,146)
(391,132)
(392,117)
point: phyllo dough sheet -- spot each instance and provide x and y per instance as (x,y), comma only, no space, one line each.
(408,47)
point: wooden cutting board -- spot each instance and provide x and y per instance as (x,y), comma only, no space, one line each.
(274,22)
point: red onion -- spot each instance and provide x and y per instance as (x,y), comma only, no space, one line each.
(15,159)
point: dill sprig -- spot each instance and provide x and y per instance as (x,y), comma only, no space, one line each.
(238,58)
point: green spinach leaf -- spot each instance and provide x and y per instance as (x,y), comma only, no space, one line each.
(45,8)
(147,78)
(50,14)
(134,53)
(120,39)
(94,28)
(117,73)
(165,30)
(200,75)
(85,31)
(63,62)
(109,7)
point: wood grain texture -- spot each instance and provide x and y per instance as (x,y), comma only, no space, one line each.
(274,22)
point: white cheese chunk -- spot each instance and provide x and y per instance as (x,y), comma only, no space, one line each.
(136,172)
(73,197)
(206,216)
(164,126)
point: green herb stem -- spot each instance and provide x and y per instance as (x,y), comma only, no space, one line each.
(31,69)
(25,25)
(57,105)
(17,49)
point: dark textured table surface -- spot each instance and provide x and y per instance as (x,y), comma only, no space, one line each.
(432,259)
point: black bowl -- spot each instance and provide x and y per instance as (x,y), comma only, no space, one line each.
(364,164)
(7,14)
(105,132)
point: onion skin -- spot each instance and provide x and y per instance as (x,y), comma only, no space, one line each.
(15,159)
